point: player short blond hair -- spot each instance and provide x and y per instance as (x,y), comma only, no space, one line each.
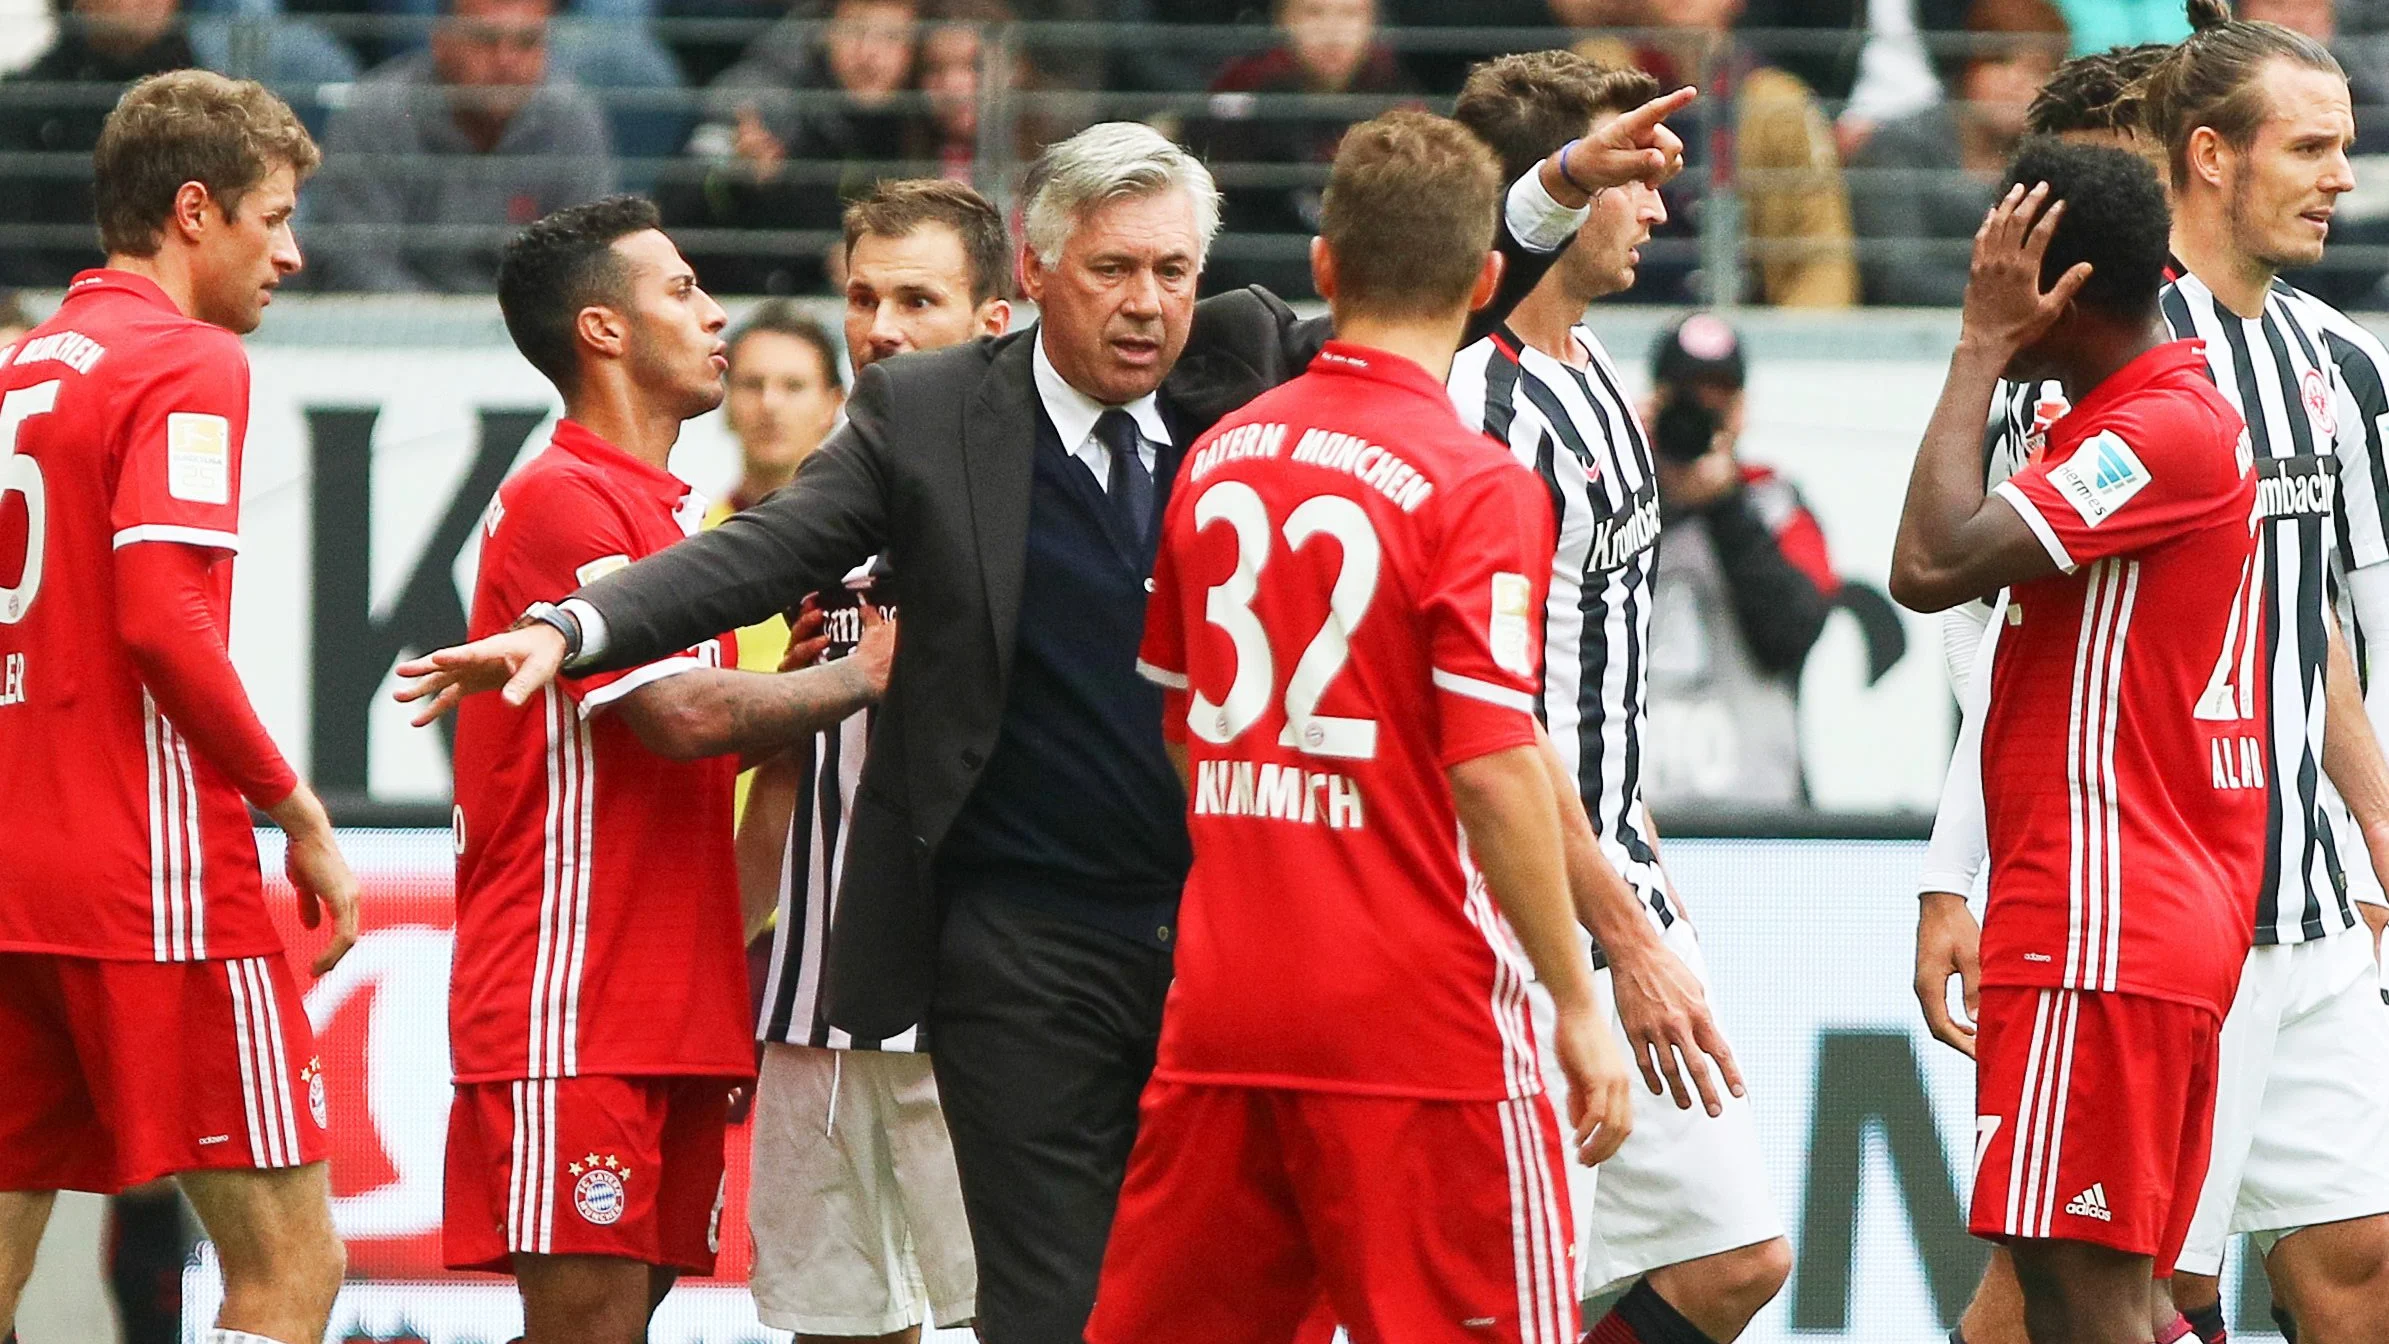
(183,126)
(1408,215)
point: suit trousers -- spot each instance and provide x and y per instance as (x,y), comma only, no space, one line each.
(1044,1031)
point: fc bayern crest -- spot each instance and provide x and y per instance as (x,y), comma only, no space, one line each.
(599,1195)
(2318,402)
(314,1074)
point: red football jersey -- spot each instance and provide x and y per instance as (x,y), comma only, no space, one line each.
(121,421)
(2123,752)
(1346,602)
(597,921)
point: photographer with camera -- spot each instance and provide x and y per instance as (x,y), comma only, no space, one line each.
(1743,589)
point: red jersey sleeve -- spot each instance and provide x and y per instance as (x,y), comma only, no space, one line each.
(557,533)
(2133,481)
(168,626)
(1161,658)
(178,462)
(1483,613)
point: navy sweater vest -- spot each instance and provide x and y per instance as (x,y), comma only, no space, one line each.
(1078,811)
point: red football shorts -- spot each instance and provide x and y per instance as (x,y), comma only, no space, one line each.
(2093,1114)
(1414,1220)
(117,1072)
(629,1167)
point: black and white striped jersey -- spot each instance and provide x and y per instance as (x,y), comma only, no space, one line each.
(2320,492)
(793,1010)
(2363,372)
(1575,429)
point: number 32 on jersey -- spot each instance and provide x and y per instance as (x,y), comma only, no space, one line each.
(1228,605)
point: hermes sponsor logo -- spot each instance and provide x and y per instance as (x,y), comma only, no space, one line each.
(2100,477)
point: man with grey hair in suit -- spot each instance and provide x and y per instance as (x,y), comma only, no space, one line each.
(1018,838)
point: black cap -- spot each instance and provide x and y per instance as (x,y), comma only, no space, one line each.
(1702,348)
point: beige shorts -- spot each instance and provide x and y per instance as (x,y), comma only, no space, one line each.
(854,1204)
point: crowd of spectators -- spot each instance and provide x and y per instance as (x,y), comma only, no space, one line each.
(1860,138)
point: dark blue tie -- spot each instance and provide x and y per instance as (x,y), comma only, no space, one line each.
(1131,483)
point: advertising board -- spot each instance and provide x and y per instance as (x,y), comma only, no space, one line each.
(1865,1119)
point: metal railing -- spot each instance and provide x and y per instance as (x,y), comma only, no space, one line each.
(1035,81)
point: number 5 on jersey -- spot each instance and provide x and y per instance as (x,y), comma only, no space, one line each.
(21,475)
(1229,605)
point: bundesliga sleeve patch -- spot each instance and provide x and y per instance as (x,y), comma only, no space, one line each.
(2100,476)
(199,458)
(1512,630)
(600,567)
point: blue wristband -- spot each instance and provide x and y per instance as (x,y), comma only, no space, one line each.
(1561,161)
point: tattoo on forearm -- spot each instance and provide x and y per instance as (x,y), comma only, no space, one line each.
(769,711)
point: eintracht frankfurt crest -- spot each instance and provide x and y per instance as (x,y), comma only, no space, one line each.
(2318,402)
(598,1194)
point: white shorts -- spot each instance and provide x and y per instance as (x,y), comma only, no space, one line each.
(2302,1099)
(1683,1185)
(855,1207)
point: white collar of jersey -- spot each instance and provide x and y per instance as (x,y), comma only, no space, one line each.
(1586,342)
(1074,413)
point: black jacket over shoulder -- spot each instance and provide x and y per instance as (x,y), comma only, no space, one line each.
(933,470)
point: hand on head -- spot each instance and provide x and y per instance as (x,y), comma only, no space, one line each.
(2006,308)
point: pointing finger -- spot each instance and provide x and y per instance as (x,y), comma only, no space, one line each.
(1638,122)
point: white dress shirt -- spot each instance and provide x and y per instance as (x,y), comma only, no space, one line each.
(1074,413)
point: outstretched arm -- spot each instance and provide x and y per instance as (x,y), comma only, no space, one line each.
(756,563)
(716,711)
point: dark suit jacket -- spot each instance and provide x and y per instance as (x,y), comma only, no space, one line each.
(932,469)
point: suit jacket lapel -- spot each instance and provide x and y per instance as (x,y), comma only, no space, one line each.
(999,444)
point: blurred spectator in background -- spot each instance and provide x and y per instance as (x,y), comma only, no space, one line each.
(1325,47)
(963,60)
(701,38)
(103,43)
(472,131)
(1795,210)
(1920,186)
(2097,25)
(784,397)
(606,46)
(1874,60)
(27,28)
(1442,66)
(811,115)
(1743,590)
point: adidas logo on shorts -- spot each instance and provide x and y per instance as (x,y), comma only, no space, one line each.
(2091,1203)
